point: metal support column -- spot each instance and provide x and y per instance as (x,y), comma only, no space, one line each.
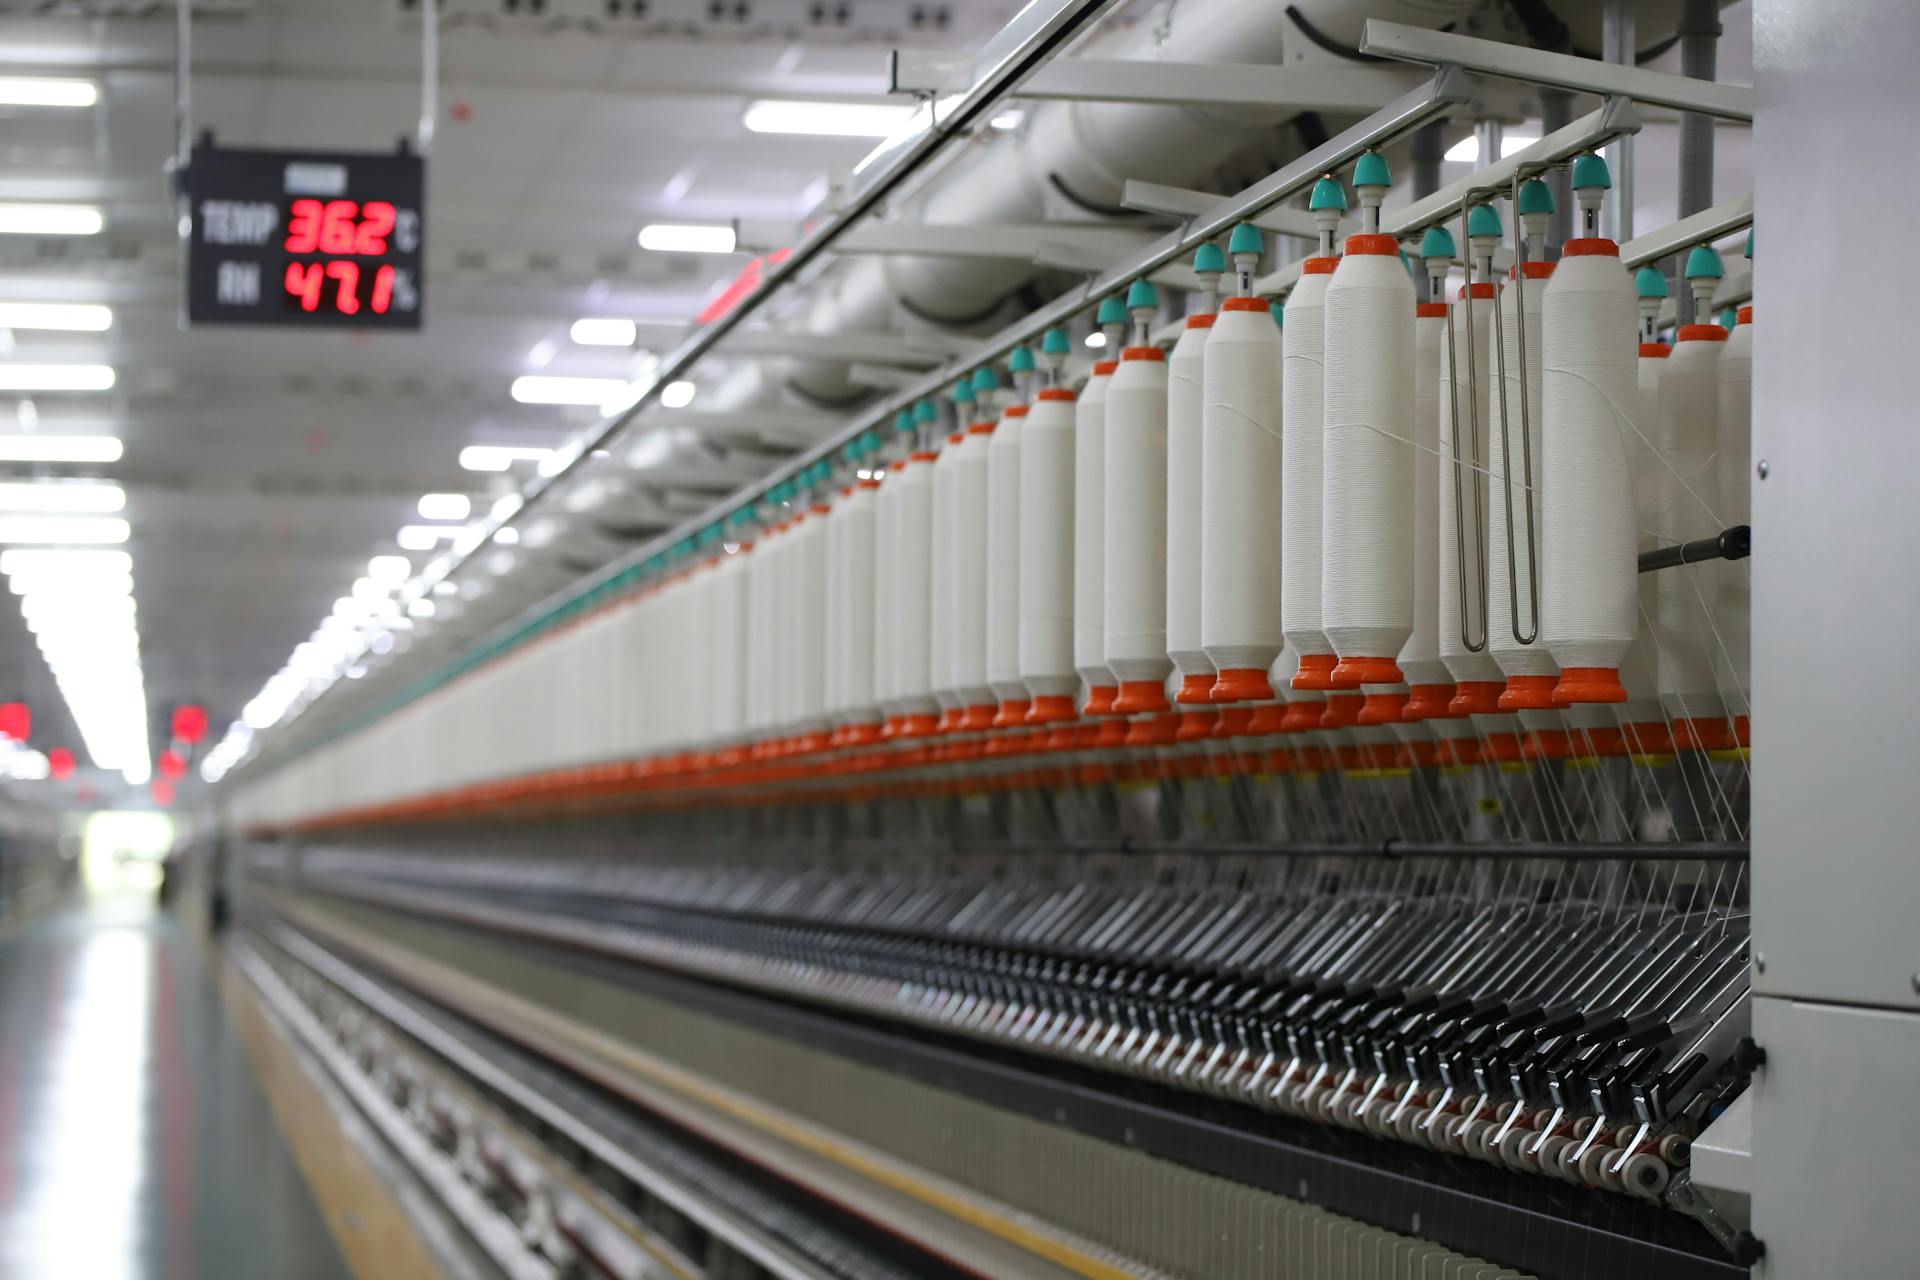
(1619,43)
(1699,41)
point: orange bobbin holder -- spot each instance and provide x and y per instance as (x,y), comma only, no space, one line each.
(1160,729)
(1303,715)
(1548,744)
(1502,748)
(1427,702)
(1529,693)
(1241,684)
(1140,697)
(1051,708)
(1382,708)
(1196,725)
(1351,673)
(1113,732)
(1194,690)
(1235,722)
(1268,717)
(1343,711)
(1316,672)
(1589,684)
(1703,734)
(1012,713)
(978,718)
(1476,698)
(1100,700)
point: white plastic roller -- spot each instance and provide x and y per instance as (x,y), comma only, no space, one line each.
(1047,519)
(1004,535)
(1089,519)
(1186,374)
(1366,565)
(1135,519)
(1684,618)
(1302,446)
(1589,589)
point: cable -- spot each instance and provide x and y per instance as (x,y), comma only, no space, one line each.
(1328,43)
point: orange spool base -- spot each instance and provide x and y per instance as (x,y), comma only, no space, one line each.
(1383,708)
(1234,721)
(1343,711)
(1013,713)
(1351,673)
(1427,702)
(1316,672)
(1529,693)
(1241,684)
(1051,708)
(1100,700)
(1476,697)
(1703,735)
(1501,748)
(1196,726)
(1589,684)
(1195,689)
(1268,717)
(1303,715)
(1140,697)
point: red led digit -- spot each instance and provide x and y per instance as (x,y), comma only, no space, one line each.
(347,300)
(303,229)
(303,282)
(382,290)
(376,224)
(336,229)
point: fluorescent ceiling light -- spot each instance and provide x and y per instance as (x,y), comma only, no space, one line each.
(445,506)
(1467,150)
(389,569)
(540,388)
(829,119)
(55,377)
(39,448)
(50,219)
(685,237)
(421,608)
(45,91)
(1008,119)
(495,457)
(62,496)
(1096,339)
(79,530)
(77,317)
(110,563)
(609,333)
(677,395)
(424,537)
(507,536)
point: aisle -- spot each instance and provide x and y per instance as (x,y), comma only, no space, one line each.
(134,1142)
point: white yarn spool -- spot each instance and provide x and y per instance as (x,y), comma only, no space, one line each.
(837,563)
(1240,509)
(760,633)
(1302,449)
(1368,463)
(1639,670)
(1186,371)
(1136,530)
(1733,613)
(1478,681)
(1589,594)
(886,539)
(810,607)
(969,608)
(858,706)
(726,690)
(912,598)
(944,563)
(1690,494)
(1430,684)
(1089,530)
(1003,534)
(1048,514)
(786,605)
(1529,669)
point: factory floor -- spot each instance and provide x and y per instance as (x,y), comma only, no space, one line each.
(135,1140)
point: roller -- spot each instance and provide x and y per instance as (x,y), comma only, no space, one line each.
(1089,518)
(1589,594)
(1735,599)
(1047,518)
(1466,388)
(912,598)
(945,560)
(1684,622)
(1302,448)
(1186,373)
(1429,683)
(1135,519)
(1514,514)
(1369,462)
(1240,483)
(1003,535)
(1646,723)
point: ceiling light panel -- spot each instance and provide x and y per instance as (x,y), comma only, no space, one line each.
(65,497)
(71,317)
(47,91)
(592,332)
(55,377)
(684,237)
(828,119)
(50,219)
(53,448)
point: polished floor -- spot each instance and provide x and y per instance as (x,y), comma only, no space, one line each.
(134,1141)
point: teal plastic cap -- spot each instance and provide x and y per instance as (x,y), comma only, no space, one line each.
(963,391)
(1246,238)
(985,379)
(851,451)
(1370,170)
(903,420)
(1279,314)
(1328,194)
(1021,361)
(1483,221)
(1208,260)
(1589,172)
(925,412)
(1649,283)
(1703,264)
(1749,248)
(1141,295)
(1728,319)
(1113,310)
(1535,197)
(1437,243)
(1055,343)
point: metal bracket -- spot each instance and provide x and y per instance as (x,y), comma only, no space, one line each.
(1704,227)
(1289,88)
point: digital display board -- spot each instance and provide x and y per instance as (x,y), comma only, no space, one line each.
(306,238)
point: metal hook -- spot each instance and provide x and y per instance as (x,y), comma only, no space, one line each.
(1526,436)
(1453,395)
